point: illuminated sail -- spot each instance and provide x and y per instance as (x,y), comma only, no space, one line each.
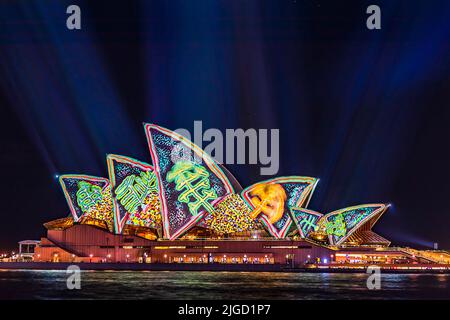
(270,201)
(87,197)
(189,179)
(135,193)
(231,214)
(340,224)
(305,220)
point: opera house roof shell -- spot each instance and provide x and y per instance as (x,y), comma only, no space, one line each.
(181,195)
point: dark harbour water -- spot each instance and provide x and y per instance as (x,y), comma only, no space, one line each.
(27,284)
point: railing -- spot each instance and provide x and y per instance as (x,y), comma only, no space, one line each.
(64,247)
(415,253)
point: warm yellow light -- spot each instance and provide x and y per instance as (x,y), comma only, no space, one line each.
(170,247)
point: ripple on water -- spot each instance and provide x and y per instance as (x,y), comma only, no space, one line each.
(31,284)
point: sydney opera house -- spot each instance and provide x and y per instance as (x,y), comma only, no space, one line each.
(187,208)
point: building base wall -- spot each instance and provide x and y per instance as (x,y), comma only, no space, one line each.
(85,243)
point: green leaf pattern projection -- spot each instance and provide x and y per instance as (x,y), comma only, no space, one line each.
(134,189)
(88,195)
(308,224)
(336,227)
(193,179)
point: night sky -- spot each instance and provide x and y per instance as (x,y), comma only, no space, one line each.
(367,112)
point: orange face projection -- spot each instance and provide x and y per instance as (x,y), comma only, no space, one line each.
(268,199)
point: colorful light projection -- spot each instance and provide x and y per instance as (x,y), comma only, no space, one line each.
(189,179)
(340,224)
(231,214)
(305,220)
(270,201)
(88,197)
(187,187)
(135,193)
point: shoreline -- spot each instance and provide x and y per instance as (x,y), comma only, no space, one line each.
(87,266)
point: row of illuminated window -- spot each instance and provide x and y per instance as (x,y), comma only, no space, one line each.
(287,247)
(161,247)
(184,247)
(126,247)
